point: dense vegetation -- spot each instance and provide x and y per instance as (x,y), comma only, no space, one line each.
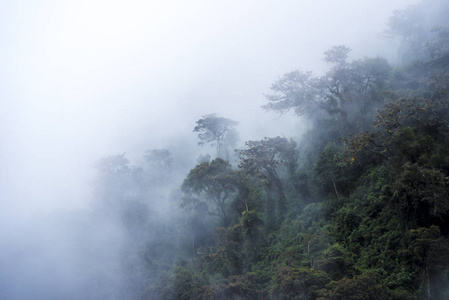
(358,208)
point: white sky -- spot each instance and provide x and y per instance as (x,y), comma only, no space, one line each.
(80,80)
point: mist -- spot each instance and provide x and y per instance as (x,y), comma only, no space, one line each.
(85,80)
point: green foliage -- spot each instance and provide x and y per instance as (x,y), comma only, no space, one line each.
(298,283)
(363,287)
(264,160)
(229,246)
(251,194)
(422,195)
(336,261)
(427,250)
(251,221)
(359,210)
(330,173)
(214,183)
(234,287)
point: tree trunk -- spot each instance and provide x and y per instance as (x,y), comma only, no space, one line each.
(335,186)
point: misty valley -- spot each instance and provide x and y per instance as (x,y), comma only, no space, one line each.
(354,204)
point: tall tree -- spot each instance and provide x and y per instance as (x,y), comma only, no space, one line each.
(262,159)
(415,26)
(428,250)
(347,92)
(209,187)
(218,132)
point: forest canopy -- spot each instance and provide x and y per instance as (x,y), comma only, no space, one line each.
(357,208)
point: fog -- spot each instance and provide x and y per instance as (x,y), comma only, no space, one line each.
(82,80)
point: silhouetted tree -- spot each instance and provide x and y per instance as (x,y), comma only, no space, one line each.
(218,132)
(346,92)
(261,159)
(210,183)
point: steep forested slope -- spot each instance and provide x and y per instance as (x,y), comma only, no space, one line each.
(358,208)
